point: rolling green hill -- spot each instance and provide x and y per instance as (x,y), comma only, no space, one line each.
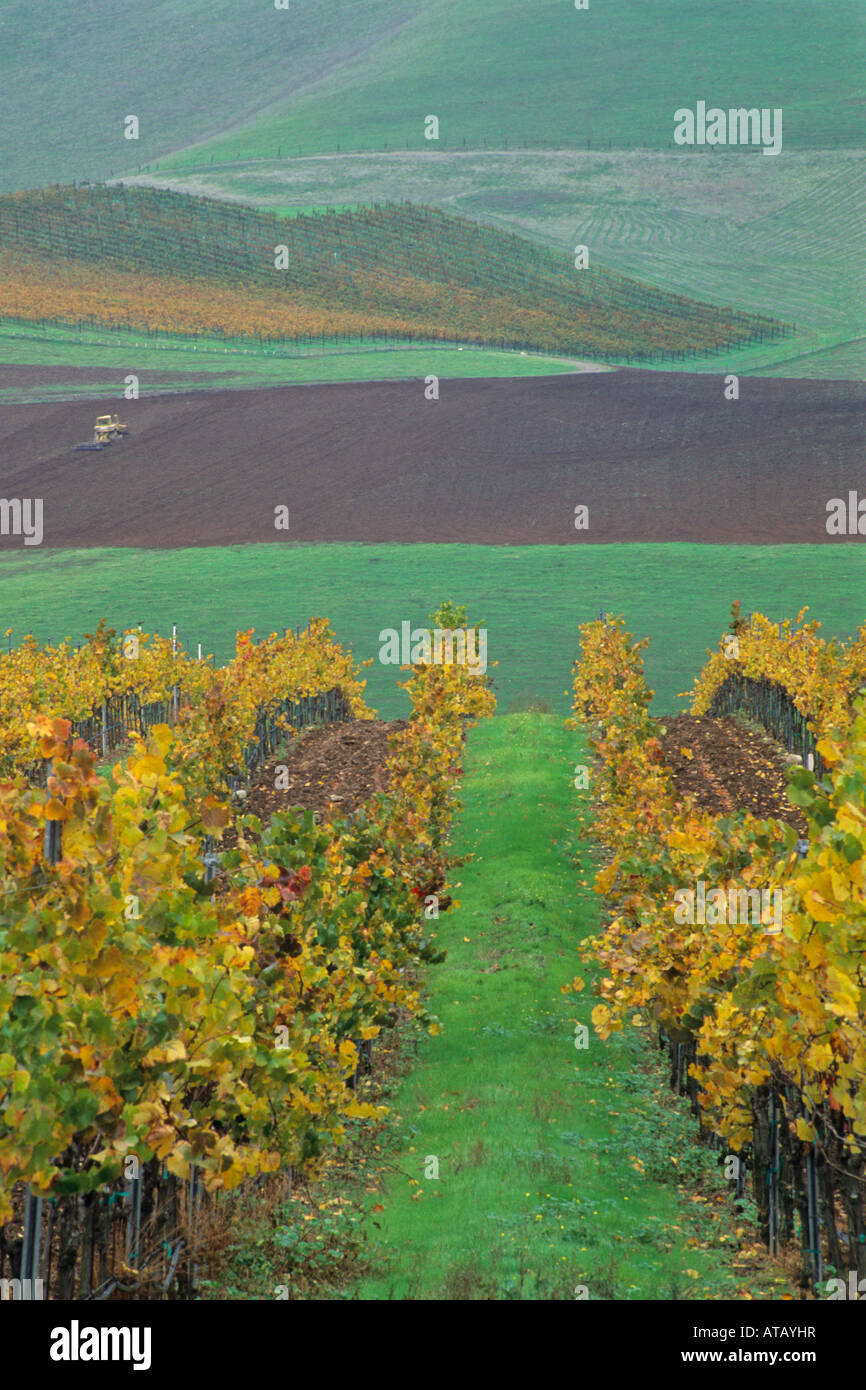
(784,237)
(222,80)
(540,72)
(542,108)
(188,69)
(161,261)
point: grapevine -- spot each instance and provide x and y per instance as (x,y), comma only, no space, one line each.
(766,1009)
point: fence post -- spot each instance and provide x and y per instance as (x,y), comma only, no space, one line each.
(52,844)
(31,1242)
(32,1209)
(87,1204)
(814,1221)
(174,654)
(194,1207)
(209,859)
(773,1178)
(133,1224)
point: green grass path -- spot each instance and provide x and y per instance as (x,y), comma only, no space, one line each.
(555,1164)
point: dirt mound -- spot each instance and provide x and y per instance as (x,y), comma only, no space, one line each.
(727,766)
(333,768)
(654,456)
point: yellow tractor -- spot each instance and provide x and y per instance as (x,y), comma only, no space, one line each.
(108,427)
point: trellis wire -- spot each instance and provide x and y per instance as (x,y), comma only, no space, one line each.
(770,705)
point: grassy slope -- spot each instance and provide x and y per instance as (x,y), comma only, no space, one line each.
(533,598)
(186,68)
(239,364)
(363,75)
(355,71)
(558,1167)
(614,73)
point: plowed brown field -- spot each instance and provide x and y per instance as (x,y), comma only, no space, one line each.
(655,457)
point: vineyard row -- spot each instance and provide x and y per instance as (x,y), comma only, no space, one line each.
(150,1016)
(764,1019)
(151,259)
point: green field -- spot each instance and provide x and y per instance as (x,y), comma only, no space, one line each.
(251,81)
(538,72)
(532,599)
(187,68)
(554,122)
(185,364)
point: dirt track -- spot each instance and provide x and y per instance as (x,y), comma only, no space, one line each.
(655,457)
(22,376)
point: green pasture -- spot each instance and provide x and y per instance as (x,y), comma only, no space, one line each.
(539,72)
(554,121)
(184,364)
(187,68)
(223,80)
(531,598)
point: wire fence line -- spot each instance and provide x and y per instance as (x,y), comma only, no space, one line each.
(304,345)
(138,1236)
(769,704)
(111,727)
(114,722)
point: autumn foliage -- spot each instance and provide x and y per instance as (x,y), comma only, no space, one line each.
(822,678)
(157,261)
(767,1005)
(143,1013)
(216,705)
